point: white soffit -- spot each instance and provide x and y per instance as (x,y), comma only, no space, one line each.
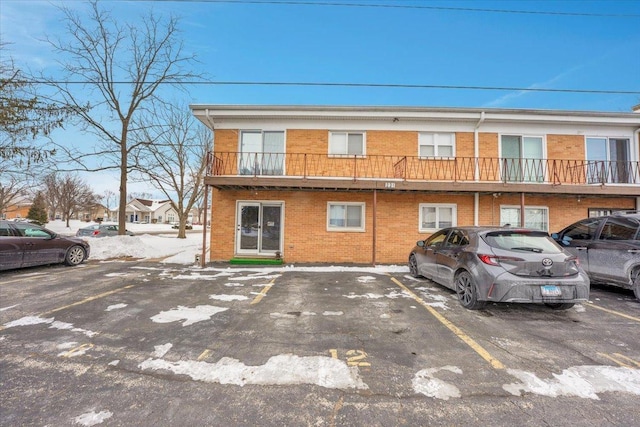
(244,113)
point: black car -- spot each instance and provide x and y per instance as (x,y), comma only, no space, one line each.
(608,248)
(23,244)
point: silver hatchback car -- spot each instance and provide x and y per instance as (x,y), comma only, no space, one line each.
(485,264)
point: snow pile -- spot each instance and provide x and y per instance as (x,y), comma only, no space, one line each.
(171,249)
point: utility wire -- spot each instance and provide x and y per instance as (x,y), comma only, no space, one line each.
(344,84)
(396,6)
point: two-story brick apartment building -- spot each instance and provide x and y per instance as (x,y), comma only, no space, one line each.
(362,184)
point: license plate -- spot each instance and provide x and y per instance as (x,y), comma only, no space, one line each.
(551,291)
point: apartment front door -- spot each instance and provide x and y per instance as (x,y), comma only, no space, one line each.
(259,228)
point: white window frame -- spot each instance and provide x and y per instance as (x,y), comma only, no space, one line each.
(436,144)
(517,207)
(363,217)
(346,147)
(438,206)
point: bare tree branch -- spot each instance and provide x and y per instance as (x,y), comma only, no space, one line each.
(103,53)
(175,159)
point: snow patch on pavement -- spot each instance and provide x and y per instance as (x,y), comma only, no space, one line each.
(190,315)
(581,381)
(286,369)
(92,418)
(54,324)
(115,307)
(228,297)
(425,383)
(161,350)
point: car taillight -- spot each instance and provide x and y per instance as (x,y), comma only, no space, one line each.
(96,232)
(574,259)
(496,260)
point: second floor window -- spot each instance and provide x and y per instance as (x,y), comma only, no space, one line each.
(522,158)
(262,152)
(437,144)
(347,144)
(608,160)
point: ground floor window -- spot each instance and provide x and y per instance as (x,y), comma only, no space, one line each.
(434,216)
(171,217)
(345,216)
(535,217)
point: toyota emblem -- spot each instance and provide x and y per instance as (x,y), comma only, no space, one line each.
(547,262)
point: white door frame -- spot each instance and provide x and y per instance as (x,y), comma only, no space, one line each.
(257,228)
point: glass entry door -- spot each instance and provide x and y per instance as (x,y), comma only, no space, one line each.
(258,228)
(608,160)
(522,158)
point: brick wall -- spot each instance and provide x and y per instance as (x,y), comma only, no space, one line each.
(306,238)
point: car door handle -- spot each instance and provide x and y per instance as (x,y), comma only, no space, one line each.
(634,251)
(581,248)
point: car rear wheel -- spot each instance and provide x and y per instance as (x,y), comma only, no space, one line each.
(636,284)
(559,305)
(413,266)
(75,255)
(467,291)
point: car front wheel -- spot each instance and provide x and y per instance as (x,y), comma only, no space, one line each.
(75,255)
(413,266)
(468,292)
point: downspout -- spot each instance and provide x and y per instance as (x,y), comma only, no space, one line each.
(476,170)
(206,197)
(375,213)
(204,228)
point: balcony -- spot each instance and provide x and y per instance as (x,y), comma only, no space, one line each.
(405,173)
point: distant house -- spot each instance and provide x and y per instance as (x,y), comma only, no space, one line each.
(18,208)
(148,211)
(93,213)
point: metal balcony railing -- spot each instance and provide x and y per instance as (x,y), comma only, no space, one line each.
(482,169)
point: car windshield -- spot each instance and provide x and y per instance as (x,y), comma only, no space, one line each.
(525,241)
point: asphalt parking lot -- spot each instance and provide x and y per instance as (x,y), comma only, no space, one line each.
(140,343)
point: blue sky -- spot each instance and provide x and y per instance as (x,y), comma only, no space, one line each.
(561,45)
(400,45)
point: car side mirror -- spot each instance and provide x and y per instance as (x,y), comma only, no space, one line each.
(554,236)
(420,243)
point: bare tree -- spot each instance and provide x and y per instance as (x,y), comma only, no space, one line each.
(120,67)
(51,193)
(24,115)
(75,194)
(175,161)
(11,188)
(16,179)
(109,199)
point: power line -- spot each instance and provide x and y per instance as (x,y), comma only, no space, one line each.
(397,6)
(355,85)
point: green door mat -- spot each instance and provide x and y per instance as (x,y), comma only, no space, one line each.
(256,261)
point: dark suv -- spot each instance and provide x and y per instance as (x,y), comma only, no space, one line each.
(608,248)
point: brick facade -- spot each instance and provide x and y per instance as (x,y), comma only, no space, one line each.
(306,237)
